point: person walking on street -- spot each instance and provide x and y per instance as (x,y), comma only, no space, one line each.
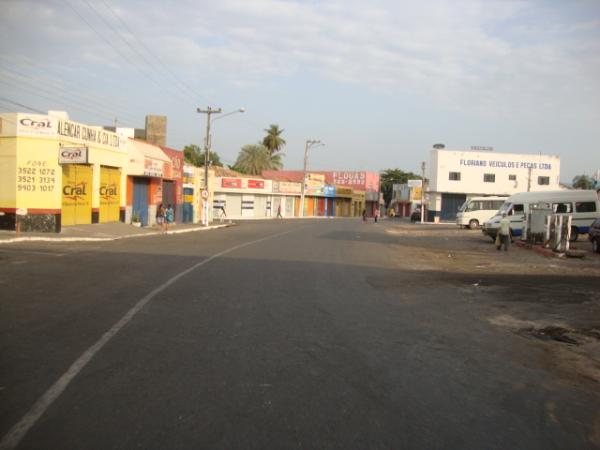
(504,233)
(160,216)
(377,213)
(169,217)
(364,214)
(279,216)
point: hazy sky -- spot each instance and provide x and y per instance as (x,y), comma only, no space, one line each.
(379,82)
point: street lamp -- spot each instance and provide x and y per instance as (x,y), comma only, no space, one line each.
(209,112)
(309,143)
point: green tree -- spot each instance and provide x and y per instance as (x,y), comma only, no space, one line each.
(194,155)
(389,177)
(254,158)
(273,140)
(583,182)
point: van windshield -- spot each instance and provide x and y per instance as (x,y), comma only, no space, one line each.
(504,208)
(464,206)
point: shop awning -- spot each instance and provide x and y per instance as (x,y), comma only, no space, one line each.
(147,160)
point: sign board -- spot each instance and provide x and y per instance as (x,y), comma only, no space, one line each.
(415,193)
(153,167)
(21,212)
(73,155)
(231,183)
(316,177)
(256,184)
(480,148)
(204,194)
(415,183)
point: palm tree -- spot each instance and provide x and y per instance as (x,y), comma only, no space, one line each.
(583,182)
(254,158)
(273,140)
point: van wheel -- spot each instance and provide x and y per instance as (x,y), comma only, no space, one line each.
(473,224)
(574,234)
(595,246)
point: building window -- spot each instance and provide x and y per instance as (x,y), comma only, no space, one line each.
(543,181)
(585,207)
(454,176)
(512,177)
(489,177)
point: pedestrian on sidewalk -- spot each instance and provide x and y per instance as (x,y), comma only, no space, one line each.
(169,216)
(364,214)
(377,213)
(160,216)
(503,233)
(279,216)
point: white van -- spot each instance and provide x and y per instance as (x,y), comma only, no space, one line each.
(582,205)
(477,210)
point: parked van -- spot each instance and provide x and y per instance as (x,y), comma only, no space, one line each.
(582,205)
(475,211)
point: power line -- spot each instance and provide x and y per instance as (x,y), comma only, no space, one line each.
(110,44)
(133,49)
(85,102)
(20,105)
(120,109)
(155,57)
(61,102)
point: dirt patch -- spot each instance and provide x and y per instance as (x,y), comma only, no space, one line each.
(558,334)
(574,351)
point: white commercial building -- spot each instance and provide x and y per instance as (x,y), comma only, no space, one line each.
(457,175)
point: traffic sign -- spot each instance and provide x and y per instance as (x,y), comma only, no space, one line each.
(204,194)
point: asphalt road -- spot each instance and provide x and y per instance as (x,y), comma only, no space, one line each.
(284,334)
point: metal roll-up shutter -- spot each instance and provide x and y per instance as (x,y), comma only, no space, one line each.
(76,195)
(110,194)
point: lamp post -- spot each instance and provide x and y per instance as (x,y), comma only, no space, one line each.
(209,112)
(309,143)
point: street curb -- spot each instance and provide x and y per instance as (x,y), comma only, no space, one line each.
(539,250)
(107,239)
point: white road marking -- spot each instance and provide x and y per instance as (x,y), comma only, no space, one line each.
(18,432)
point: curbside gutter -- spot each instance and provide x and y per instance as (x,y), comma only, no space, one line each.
(112,238)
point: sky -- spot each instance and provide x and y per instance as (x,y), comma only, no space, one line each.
(377,82)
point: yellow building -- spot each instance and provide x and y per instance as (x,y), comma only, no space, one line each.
(55,172)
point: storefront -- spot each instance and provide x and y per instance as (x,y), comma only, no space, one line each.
(237,197)
(286,195)
(343,201)
(55,172)
(360,181)
(173,182)
(147,166)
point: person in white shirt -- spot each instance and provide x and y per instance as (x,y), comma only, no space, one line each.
(504,232)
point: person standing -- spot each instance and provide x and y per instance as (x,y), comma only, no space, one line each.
(169,216)
(377,213)
(504,232)
(364,214)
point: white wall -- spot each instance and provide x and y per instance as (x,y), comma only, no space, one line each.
(473,165)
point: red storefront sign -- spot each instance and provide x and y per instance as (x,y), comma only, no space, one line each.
(256,184)
(231,183)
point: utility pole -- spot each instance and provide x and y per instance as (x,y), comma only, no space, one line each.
(208,111)
(423,192)
(309,143)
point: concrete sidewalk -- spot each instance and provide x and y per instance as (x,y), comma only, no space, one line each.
(103,232)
